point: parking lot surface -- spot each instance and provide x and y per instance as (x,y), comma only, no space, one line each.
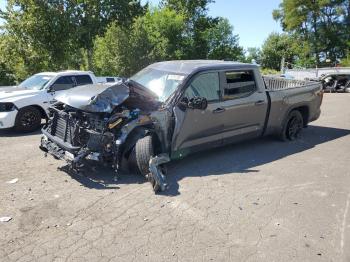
(262,200)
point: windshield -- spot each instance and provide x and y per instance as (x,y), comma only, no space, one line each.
(35,82)
(162,83)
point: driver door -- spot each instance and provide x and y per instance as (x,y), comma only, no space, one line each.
(197,129)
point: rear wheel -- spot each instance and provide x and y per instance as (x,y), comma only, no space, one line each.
(28,119)
(292,127)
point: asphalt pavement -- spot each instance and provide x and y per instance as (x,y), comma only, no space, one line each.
(262,200)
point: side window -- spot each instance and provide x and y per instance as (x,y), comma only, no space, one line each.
(110,80)
(239,84)
(63,83)
(83,80)
(205,85)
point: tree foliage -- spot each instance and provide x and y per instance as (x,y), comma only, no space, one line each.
(58,34)
(38,36)
(111,37)
(118,37)
(322,24)
(222,43)
(276,47)
(153,37)
(253,55)
(91,19)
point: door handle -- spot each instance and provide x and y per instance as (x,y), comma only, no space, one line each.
(260,102)
(219,110)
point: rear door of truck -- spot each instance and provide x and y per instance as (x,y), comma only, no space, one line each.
(244,105)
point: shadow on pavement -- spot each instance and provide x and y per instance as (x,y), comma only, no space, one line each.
(239,158)
(100,177)
(14,133)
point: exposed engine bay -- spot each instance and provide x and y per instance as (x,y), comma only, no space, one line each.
(102,123)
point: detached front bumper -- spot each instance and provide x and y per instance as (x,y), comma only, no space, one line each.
(7,119)
(52,148)
(59,151)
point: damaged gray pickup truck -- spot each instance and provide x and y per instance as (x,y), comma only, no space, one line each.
(174,108)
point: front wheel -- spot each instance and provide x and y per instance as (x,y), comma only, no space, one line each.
(28,119)
(141,154)
(292,127)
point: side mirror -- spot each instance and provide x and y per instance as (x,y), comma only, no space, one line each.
(54,87)
(200,103)
(50,89)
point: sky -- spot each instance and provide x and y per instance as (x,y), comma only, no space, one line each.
(252,19)
(2,6)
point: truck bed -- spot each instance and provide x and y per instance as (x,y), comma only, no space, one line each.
(286,95)
(279,83)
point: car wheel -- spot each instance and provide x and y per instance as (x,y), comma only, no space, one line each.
(132,163)
(28,119)
(292,127)
(141,154)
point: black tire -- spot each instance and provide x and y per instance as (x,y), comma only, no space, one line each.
(141,154)
(292,127)
(28,119)
(132,163)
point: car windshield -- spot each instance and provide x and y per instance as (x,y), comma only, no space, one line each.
(35,82)
(162,83)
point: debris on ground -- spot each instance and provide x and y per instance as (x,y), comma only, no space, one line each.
(5,219)
(13,181)
(157,177)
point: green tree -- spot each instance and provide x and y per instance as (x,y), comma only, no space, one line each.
(253,55)
(320,23)
(91,19)
(59,34)
(223,44)
(275,48)
(195,13)
(156,36)
(6,75)
(38,35)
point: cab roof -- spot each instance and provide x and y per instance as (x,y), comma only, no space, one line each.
(187,67)
(66,72)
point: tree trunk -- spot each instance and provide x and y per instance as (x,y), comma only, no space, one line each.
(317,51)
(89,59)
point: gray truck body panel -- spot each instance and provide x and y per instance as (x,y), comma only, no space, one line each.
(261,113)
(109,120)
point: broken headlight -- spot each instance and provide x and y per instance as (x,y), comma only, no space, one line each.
(7,107)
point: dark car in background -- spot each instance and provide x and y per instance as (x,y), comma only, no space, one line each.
(336,82)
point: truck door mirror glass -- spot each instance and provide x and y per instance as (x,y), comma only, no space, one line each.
(200,103)
(53,88)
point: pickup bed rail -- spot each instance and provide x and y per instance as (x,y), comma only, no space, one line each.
(279,83)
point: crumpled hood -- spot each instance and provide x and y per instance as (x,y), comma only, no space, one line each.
(96,98)
(13,93)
